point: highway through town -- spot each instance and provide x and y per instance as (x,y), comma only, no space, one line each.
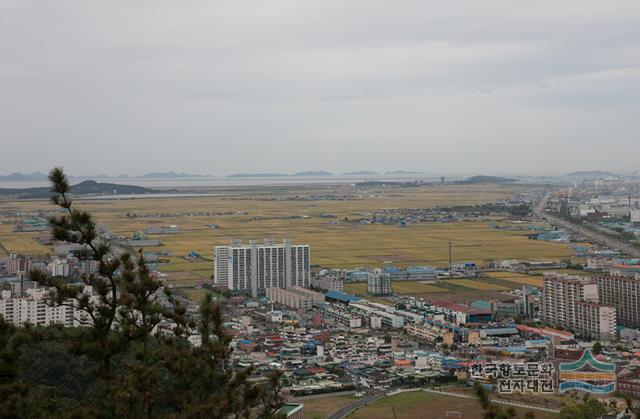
(594,236)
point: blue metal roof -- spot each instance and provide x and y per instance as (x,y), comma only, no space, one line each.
(341,296)
(421,269)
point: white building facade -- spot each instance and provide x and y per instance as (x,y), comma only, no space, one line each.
(622,292)
(34,309)
(572,303)
(254,267)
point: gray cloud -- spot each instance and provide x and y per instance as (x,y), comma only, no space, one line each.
(226,86)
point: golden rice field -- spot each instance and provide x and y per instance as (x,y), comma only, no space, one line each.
(22,243)
(356,288)
(573,272)
(533,280)
(478,285)
(414,287)
(335,242)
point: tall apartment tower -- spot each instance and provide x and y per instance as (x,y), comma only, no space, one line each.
(623,293)
(255,267)
(572,302)
(379,284)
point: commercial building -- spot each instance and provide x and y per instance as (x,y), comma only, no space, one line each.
(379,284)
(572,303)
(623,293)
(254,267)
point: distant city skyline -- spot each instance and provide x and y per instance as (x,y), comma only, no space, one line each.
(492,87)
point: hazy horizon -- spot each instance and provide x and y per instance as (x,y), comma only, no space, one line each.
(217,88)
(402,173)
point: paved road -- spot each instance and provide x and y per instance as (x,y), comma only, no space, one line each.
(538,210)
(374,395)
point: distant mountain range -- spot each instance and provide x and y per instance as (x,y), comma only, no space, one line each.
(88,187)
(307,173)
(403,172)
(244,175)
(361,173)
(486,179)
(170,175)
(39,176)
(591,173)
(313,173)
(22,177)
(318,173)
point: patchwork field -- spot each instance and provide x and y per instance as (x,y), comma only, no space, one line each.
(321,217)
(478,285)
(415,287)
(533,280)
(20,242)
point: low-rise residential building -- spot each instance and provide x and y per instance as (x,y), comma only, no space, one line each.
(629,383)
(329,282)
(342,316)
(295,297)
(368,310)
(425,331)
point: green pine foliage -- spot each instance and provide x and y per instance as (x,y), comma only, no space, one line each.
(116,364)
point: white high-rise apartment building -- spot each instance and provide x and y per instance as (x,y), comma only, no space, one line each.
(253,267)
(33,308)
(59,267)
(572,302)
(623,293)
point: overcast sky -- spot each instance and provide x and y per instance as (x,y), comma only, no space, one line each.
(219,87)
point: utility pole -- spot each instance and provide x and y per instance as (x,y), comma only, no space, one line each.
(449,258)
